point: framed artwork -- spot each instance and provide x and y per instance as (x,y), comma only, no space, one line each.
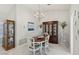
(30,26)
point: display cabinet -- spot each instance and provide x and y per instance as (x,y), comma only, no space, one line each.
(8,41)
(51,27)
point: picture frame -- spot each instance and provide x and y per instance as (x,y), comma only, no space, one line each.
(30,26)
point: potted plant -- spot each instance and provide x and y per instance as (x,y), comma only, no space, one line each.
(63,25)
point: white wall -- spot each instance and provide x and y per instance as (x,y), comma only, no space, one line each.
(75,28)
(11,15)
(24,15)
(60,16)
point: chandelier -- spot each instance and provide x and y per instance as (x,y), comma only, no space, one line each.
(39,15)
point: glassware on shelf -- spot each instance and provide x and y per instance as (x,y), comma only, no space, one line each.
(50,29)
(43,28)
(54,29)
(10,42)
(47,28)
(10,29)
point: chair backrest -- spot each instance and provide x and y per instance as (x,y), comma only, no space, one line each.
(47,37)
(45,34)
(31,40)
(47,40)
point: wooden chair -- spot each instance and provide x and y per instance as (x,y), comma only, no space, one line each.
(46,44)
(34,47)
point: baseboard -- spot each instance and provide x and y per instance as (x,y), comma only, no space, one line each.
(21,45)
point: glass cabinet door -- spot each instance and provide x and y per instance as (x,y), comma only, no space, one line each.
(10,34)
(43,28)
(50,29)
(11,29)
(47,28)
(54,29)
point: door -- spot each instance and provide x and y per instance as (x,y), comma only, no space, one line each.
(52,29)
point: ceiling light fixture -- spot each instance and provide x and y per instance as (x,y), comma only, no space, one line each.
(39,15)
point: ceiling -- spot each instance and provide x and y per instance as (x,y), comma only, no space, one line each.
(5,8)
(50,7)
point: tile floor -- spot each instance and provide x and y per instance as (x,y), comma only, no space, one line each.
(54,49)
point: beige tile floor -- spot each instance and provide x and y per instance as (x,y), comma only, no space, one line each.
(54,49)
